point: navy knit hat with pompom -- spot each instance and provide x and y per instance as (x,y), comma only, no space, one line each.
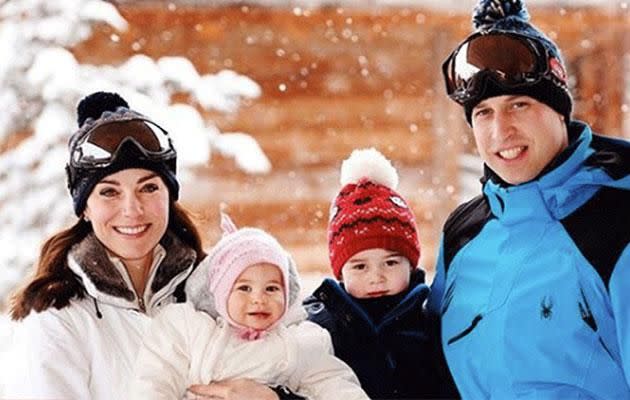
(99,109)
(511,16)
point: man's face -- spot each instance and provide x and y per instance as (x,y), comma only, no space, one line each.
(517,136)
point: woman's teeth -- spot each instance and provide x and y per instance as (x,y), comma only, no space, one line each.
(131,230)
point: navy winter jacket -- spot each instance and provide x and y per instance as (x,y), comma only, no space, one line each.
(393,359)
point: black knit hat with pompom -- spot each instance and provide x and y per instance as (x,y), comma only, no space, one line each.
(101,108)
(511,16)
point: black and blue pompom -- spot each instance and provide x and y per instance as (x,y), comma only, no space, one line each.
(95,104)
(488,13)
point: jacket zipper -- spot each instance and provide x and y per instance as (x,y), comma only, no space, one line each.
(466,331)
(170,288)
(141,305)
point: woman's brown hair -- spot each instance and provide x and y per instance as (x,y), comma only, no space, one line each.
(54,284)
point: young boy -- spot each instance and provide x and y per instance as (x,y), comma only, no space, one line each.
(241,324)
(374,314)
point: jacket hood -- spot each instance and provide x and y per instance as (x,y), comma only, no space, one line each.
(199,293)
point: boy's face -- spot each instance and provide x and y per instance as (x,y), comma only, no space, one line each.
(375,273)
(257,297)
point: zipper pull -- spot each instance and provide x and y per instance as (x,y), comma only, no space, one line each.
(141,304)
(466,331)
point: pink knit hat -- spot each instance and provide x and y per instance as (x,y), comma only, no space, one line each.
(237,250)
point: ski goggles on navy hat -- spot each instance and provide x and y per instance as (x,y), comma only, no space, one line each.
(494,63)
(118,140)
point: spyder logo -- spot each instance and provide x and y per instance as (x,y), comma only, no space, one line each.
(546,306)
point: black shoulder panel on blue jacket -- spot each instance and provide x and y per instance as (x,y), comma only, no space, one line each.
(601,229)
(463,225)
(613,155)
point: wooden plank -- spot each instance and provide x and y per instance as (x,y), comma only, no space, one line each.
(352,78)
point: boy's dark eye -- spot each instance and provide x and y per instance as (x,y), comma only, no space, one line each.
(243,288)
(358,266)
(392,262)
(273,288)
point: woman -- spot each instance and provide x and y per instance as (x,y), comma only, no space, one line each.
(98,283)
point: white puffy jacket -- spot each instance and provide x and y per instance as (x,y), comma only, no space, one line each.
(185,346)
(87,349)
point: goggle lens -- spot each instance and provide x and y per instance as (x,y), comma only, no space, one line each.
(99,146)
(509,59)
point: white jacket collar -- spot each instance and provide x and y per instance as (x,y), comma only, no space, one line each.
(106,279)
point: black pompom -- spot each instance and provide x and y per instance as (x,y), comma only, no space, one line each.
(489,12)
(93,105)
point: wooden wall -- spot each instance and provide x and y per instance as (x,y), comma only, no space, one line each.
(334,80)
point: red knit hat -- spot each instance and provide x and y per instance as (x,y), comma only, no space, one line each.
(368,213)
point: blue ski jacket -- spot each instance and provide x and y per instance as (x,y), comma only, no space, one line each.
(531,280)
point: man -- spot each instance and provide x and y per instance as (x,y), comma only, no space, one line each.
(532,274)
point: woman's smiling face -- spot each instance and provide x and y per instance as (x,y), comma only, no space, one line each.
(129,214)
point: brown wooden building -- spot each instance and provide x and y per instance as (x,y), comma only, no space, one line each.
(337,79)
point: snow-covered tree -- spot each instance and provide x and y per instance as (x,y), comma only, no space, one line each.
(40,84)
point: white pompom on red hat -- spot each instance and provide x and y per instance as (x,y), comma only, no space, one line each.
(370,164)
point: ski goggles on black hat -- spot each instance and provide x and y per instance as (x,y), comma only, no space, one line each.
(100,145)
(510,60)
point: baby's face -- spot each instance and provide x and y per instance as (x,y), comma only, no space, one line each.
(375,273)
(257,297)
